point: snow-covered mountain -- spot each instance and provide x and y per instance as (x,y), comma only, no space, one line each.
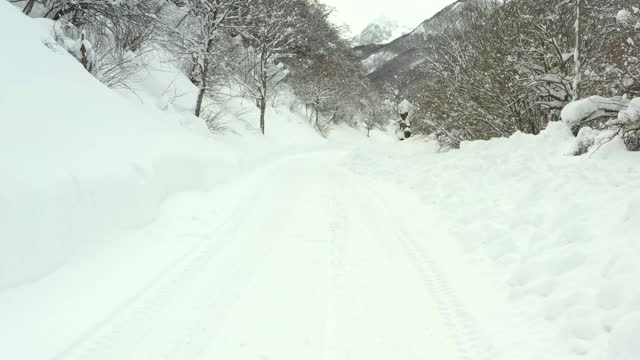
(405,52)
(380,31)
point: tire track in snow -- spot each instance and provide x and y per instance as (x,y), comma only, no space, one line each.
(469,342)
(129,324)
(337,336)
(120,334)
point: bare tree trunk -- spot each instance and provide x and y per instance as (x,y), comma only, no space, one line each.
(203,87)
(263,110)
(263,99)
(201,93)
(577,57)
(204,74)
(28,7)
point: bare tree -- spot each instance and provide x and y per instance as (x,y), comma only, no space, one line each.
(201,38)
(271,36)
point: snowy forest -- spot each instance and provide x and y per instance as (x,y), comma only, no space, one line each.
(505,67)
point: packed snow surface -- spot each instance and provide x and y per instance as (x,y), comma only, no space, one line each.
(129,232)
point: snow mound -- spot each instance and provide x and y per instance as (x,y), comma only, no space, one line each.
(555,139)
(558,232)
(625,339)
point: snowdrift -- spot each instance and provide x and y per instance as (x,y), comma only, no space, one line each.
(559,233)
(81,161)
(78,160)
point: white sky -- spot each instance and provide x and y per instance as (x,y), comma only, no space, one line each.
(359,13)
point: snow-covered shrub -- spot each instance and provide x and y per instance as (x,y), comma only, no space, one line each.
(589,139)
(628,125)
(598,120)
(108,37)
(594,111)
(214,121)
(76,43)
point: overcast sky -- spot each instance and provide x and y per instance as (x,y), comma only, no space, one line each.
(359,13)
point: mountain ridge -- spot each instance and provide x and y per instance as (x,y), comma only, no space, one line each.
(382,62)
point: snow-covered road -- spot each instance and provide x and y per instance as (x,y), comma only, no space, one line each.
(301,259)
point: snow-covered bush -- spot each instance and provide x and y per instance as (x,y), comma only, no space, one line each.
(589,139)
(76,43)
(108,37)
(598,120)
(628,125)
(594,111)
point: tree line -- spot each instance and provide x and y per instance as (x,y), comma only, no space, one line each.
(500,67)
(252,45)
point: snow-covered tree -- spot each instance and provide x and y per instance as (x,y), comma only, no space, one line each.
(202,37)
(272,35)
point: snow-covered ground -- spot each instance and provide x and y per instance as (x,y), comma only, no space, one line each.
(80,161)
(127,231)
(556,233)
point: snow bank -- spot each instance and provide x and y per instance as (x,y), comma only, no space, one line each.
(558,232)
(80,161)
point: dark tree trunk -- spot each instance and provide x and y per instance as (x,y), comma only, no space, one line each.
(263,110)
(200,99)
(28,7)
(263,101)
(203,88)
(204,73)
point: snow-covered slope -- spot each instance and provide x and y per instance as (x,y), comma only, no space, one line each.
(380,31)
(80,161)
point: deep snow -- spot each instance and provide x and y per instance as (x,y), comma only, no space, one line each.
(556,232)
(80,160)
(127,231)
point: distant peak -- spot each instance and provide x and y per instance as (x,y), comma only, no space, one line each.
(381,30)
